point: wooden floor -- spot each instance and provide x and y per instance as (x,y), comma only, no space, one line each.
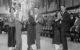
(46,43)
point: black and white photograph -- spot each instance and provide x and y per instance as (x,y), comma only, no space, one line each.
(39,24)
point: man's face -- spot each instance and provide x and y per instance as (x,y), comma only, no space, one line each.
(62,8)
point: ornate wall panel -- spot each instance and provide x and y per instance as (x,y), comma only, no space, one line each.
(68,3)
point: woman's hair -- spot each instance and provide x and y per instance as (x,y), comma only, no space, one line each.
(11,9)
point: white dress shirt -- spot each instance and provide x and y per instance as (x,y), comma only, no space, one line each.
(36,18)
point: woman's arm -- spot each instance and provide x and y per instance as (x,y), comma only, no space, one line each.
(59,17)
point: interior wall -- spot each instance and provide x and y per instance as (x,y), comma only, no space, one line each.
(69,3)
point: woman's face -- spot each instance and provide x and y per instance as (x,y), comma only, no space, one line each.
(12,11)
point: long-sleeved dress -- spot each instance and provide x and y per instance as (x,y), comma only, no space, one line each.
(31,32)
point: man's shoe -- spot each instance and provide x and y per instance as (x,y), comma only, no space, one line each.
(33,46)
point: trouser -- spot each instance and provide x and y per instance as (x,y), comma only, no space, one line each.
(11,37)
(63,37)
(38,40)
(0,29)
(18,35)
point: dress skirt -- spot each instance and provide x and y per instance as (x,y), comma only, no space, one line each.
(11,37)
(56,33)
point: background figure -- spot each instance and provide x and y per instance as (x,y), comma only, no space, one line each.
(72,28)
(77,28)
(6,25)
(31,32)
(11,30)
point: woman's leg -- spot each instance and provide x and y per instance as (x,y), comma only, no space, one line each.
(64,38)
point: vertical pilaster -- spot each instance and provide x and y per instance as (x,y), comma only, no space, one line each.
(1,2)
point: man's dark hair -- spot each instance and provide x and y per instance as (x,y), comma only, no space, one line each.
(63,6)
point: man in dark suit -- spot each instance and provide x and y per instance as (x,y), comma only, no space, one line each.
(65,24)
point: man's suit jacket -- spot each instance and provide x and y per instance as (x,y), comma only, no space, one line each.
(66,18)
(39,24)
